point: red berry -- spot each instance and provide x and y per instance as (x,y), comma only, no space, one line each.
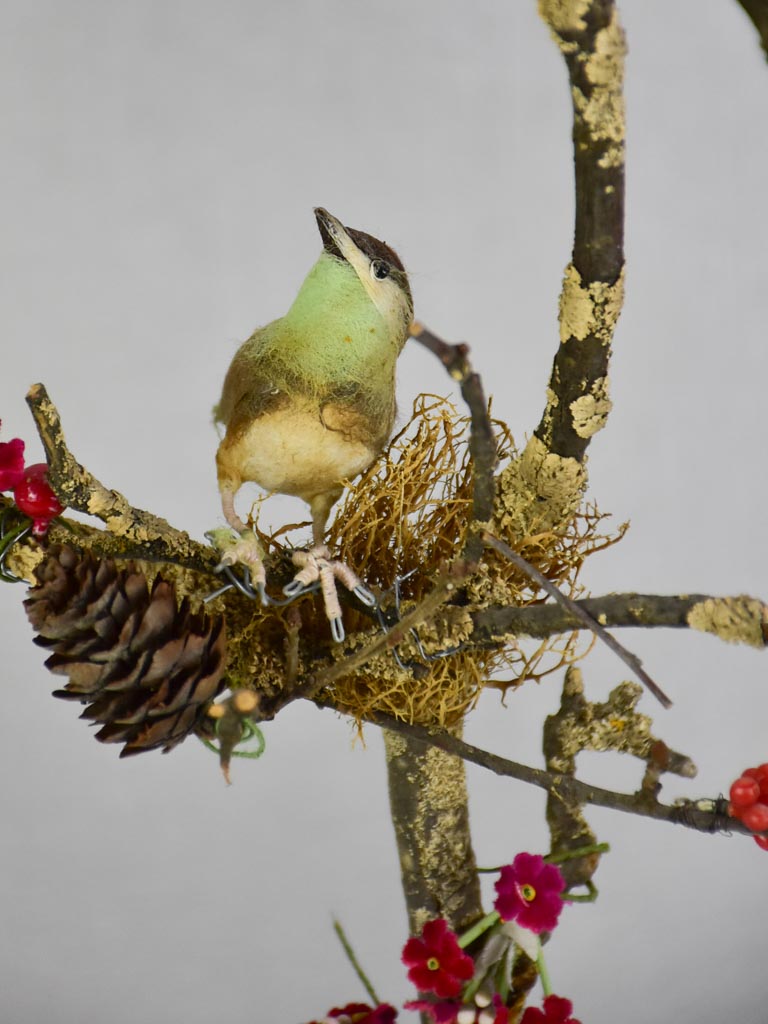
(756,817)
(760,775)
(33,494)
(745,792)
(762,842)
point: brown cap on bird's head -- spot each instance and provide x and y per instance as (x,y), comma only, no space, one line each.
(383,260)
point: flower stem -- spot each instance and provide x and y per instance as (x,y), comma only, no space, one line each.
(579,851)
(541,966)
(477,929)
(562,857)
(364,980)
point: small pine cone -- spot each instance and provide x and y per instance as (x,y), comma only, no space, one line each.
(146,666)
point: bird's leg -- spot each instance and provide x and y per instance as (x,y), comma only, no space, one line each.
(244,550)
(316,565)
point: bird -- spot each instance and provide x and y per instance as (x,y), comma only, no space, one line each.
(308,402)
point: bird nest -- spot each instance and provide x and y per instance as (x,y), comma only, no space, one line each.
(400,525)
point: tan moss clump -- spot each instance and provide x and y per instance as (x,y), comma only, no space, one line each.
(407,519)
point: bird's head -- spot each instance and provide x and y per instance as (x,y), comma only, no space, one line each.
(378,267)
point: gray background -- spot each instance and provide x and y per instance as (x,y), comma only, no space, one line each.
(159,169)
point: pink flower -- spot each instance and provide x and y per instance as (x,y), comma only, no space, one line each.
(11,463)
(556,1011)
(436,963)
(528,891)
(360,1013)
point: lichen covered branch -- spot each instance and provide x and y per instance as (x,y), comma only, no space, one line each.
(544,486)
(430,815)
(145,534)
(737,619)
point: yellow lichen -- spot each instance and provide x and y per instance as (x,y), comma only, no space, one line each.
(590,412)
(576,307)
(734,619)
(603,112)
(590,311)
(539,490)
(564,15)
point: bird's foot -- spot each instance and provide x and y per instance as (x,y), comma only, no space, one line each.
(316,566)
(240,549)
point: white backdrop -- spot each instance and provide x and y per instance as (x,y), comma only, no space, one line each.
(160,165)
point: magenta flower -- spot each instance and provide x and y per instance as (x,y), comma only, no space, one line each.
(360,1013)
(436,963)
(528,891)
(11,463)
(556,1011)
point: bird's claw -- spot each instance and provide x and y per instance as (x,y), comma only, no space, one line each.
(239,550)
(317,569)
(362,593)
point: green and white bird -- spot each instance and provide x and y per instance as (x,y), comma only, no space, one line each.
(309,400)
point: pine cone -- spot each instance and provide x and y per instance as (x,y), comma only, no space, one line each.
(145,666)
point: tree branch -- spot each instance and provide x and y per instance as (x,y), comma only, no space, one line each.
(592,43)
(702,815)
(738,619)
(758,13)
(146,535)
(482,443)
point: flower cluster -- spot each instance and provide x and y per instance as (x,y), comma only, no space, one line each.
(31,491)
(528,891)
(749,801)
(528,902)
(360,1013)
(452,988)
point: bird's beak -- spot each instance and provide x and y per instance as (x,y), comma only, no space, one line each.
(338,242)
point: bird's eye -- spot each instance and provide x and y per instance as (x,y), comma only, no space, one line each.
(379,269)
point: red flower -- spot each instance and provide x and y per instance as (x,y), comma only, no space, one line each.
(35,498)
(435,962)
(528,891)
(556,1011)
(360,1013)
(11,463)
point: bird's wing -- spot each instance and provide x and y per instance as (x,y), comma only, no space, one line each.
(360,414)
(250,389)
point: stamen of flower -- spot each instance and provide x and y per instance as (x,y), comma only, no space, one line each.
(527,892)
(433,964)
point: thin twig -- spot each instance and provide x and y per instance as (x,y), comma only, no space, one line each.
(482,443)
(629,659)
(701,815)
